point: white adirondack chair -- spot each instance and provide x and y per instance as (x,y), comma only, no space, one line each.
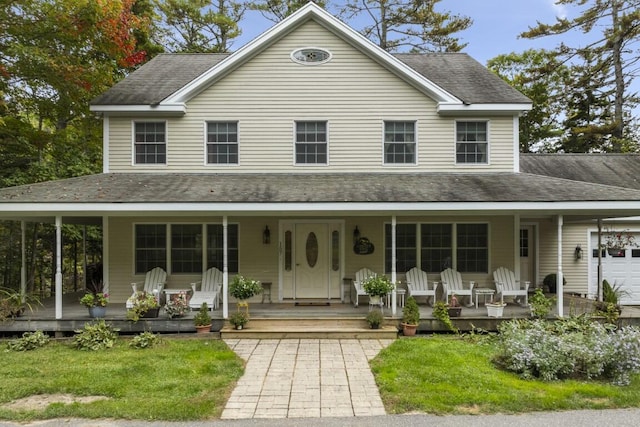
(209,292)
(154,282)
(452,284)
(418,285)
(507,285)
(361,275)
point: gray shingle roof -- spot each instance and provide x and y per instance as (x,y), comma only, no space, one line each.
(165,74)
(621,170)
(318,188)
(158,78)
(464,77)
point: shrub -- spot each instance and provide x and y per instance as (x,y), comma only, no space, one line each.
(540,304)
(145,340)
(95,336)
(411,312)
(29,341)
(202,317)
(551,282)
(374,319)
(573,347)
(441,312)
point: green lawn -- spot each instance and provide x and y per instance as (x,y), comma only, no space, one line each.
(450,375)
(181,379)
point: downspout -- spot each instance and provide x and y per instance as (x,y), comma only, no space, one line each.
(559,276)
(23,261)
(225,268)
(58,279)
(393,264)
(105,253)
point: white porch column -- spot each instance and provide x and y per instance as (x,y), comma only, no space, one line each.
(225,268)
(23,259)
(599,278)
(393,264)
(105,253)
(516,245)
(58,283)
(559,276)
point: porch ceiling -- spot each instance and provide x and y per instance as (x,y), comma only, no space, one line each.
(119,193)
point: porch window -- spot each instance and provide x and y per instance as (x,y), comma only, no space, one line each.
(472,248)
(186,248)
(150,143)
(151,247)
(222,143)
(471,142)
(406,247)
(436,250)
(215,247)
(311,143)
(399,143)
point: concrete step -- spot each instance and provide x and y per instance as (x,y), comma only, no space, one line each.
(337,328)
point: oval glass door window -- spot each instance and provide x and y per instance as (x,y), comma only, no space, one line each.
(312,249)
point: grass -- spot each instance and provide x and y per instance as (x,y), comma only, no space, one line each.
(451,375)
(181,379)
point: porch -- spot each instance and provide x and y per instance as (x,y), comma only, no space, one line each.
(282,320)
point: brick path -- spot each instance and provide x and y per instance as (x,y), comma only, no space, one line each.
(294,378)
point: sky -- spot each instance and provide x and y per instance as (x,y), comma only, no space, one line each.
(495,28)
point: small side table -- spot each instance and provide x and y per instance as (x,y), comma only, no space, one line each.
(266,290)
(484,292)
(169,292)
(400,293)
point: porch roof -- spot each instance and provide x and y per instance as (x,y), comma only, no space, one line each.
(450,188)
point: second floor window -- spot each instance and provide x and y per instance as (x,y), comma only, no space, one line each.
(311,143)
(399,142)
(150,143)
(222,143)
(471,142)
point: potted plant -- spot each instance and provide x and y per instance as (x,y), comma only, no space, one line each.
(145,305)
(202,319)
(14,303)
(242,288)
(239,319)
(441,312)
(375,319)
(96,299)
(454,309)
(495,308)
(410,317)
(377,287)
(178,306)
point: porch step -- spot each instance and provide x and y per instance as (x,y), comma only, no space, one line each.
(335,328)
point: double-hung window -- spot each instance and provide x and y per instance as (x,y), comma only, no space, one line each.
(434,247)
(222,143)
(150,142)
(472,144)
(151,247)
(311,143)
(399,142)
(186,248)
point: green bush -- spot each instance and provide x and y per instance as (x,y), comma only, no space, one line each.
(29,341)
(145,340)
(441,312)
(96,335)
(540,304)
(551,282)
(411,312)
(375,319)
(573,347)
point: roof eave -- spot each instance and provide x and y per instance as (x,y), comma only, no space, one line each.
(456,109)
(179,108)
(310,11)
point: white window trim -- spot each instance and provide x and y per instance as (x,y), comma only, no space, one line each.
(205,153)
(455,142)
(133,144)
(312,165)
(415,136)
(297,61)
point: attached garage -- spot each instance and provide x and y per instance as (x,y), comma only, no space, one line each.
(622,269)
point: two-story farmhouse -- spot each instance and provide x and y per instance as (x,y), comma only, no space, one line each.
(276,160)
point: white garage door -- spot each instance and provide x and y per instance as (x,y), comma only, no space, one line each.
(621,269)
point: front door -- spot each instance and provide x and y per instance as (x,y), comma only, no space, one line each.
(311,261)
(527,254)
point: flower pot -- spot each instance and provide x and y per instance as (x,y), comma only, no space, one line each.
(409,330)
(375,299)
(151,313)
(494,310)
(454,311)
(238,327)
(614,252)
(97,312)
(203,329)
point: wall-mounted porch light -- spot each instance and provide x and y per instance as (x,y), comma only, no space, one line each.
(577,253)
(356,235)
(266,235)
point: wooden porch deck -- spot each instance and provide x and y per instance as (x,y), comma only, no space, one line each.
(296,319)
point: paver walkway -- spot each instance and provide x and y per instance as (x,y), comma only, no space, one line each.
(293,378)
